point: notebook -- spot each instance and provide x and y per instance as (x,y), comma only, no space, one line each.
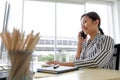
(60,69)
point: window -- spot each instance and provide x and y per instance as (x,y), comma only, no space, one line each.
(59,42)
(105,12)
(40,17)
(2,10)
(3,22)
(59,24)
(68,19)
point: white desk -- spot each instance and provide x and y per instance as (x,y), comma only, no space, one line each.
(86,74)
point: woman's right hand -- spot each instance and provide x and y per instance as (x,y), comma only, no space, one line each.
(80,38)
(77,56)
(80,42)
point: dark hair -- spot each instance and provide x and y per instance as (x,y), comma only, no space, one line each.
(94,16)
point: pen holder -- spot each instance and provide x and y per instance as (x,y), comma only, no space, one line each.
(20,65)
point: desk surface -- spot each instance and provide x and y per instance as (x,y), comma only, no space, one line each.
(86,74)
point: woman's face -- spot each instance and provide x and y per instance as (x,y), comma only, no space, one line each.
(88,25)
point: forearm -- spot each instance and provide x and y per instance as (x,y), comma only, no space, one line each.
(79,50)
(61,63)
(67,64)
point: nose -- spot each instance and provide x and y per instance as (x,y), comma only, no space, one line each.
(83,25)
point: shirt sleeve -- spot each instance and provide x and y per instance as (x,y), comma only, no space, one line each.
(102,56)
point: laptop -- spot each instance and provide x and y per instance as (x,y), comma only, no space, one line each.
(57,69)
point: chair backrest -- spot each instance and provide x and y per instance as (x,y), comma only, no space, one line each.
(117,56)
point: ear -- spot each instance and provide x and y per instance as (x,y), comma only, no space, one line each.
(96,22)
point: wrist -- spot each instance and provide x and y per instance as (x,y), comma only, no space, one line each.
(80,43)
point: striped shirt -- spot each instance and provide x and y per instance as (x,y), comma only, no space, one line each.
(99,53)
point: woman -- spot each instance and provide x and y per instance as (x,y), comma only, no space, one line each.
(97,51)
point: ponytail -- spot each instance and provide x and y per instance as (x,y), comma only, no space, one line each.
(101,31)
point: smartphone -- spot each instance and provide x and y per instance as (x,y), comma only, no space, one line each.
(83,35)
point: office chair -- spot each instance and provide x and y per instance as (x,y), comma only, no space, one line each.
(117,56)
